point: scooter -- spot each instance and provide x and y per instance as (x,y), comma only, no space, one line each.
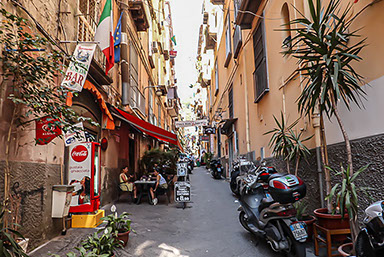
(267,211)
(239,168)
(216,169)
(370,240)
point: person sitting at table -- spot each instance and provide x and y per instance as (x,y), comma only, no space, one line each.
(160,186)
(127,183)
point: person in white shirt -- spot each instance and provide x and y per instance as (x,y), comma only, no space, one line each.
(160,186)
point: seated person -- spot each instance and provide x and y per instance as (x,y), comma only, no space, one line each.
(127,182)
(160,186)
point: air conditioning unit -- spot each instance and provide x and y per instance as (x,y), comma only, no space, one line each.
(154,47)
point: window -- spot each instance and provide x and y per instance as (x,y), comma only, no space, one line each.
(228,49)
(237,39)
(216,78)
(230,102)
(87,23)
(150,106)
(286,43)
(260,74)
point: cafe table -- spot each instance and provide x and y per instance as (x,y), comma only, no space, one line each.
(143,187)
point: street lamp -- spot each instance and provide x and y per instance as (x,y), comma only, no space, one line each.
(158,90)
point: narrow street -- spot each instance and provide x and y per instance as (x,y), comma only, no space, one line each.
(209,227)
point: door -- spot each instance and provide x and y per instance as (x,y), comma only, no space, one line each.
(132,155)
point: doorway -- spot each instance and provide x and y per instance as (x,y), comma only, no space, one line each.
(132,155)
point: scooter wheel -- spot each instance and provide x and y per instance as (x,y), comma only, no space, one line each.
(296,249)
(244,220)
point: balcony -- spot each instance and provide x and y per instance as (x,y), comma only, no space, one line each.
(172,108)
(217,2)
(210,40)
(243,18)
(137,9)
(166,55)
(237,41)
(205,18)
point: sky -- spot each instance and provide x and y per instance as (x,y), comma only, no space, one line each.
(186,20)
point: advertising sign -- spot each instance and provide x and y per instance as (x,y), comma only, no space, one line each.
(172,54)
(74,137)
(79,172)
(209,130)
(182,169)
(204,138)
(78,68)
(182,191)
(191,123)
(46,131)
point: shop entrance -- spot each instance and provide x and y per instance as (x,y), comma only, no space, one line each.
(132,155)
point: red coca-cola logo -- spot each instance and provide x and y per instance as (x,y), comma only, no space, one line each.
(79,153)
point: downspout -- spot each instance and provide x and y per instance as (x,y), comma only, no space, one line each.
(316,126)
(124,53)
(247,131)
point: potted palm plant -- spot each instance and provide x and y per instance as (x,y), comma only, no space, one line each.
(322,45)
(120,226)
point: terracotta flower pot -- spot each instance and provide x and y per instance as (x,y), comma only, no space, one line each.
(332,221)
(345,249)
(309,220)
(123,237)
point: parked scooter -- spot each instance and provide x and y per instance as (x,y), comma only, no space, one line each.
(239,168)
(267,211)
(190,165)
(370,241)
(216,169)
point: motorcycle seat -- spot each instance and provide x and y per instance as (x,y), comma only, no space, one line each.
(265,203)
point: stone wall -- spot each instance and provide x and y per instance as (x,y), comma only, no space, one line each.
(364,150)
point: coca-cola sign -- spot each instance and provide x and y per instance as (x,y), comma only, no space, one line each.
(79,153)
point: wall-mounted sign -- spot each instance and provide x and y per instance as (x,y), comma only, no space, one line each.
(191,123)
(74,137)
(182,191)
(78,68)
(181,169)
(204,138)
(209,130)
(46,130)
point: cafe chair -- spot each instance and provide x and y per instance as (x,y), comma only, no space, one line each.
(121,191)
(166,192)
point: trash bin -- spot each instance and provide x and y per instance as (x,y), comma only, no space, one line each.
(61,200)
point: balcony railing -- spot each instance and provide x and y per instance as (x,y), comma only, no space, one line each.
(137,9)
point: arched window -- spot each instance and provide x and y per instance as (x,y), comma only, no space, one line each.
(286,26)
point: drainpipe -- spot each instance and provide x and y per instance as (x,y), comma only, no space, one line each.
(124,53)
(316,126)
(247,133)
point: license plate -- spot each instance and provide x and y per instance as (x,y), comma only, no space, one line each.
(298,231)
(218,169)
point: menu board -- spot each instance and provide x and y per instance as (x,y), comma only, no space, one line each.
(182,191)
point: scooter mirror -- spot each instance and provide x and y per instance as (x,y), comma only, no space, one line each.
(263,162)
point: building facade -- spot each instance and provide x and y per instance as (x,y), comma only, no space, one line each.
(250,81)
(143,86)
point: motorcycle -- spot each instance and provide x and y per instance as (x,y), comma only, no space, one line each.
(266,210)
(190,165)
(216,169)
(370,240)
(240,168)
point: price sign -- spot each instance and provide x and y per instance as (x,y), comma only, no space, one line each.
(182,191)
(182,169)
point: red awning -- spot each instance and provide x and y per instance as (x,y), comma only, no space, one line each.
(150,129)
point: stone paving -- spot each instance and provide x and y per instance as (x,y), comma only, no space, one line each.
(210,227)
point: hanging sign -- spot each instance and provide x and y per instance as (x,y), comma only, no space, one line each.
(172,54)
(191,123)
(78,68)
(204,138)
(209,130)
(79,172)
(181,169)
(75,136)
(46,130)
(182,191)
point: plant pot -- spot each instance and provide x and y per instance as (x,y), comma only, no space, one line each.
(345,249)
(123,237)
(23,243)
(309,220)
(332,221)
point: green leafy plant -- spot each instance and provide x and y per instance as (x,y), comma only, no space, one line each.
(301,208)
(159,157)
(298,150)
(82,253)
(102,244)
(344,195)
(207,157)
(281,142)
(321,45)
(8,243)
(118,224)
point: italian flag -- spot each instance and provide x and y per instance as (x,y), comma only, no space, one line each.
(104,35)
